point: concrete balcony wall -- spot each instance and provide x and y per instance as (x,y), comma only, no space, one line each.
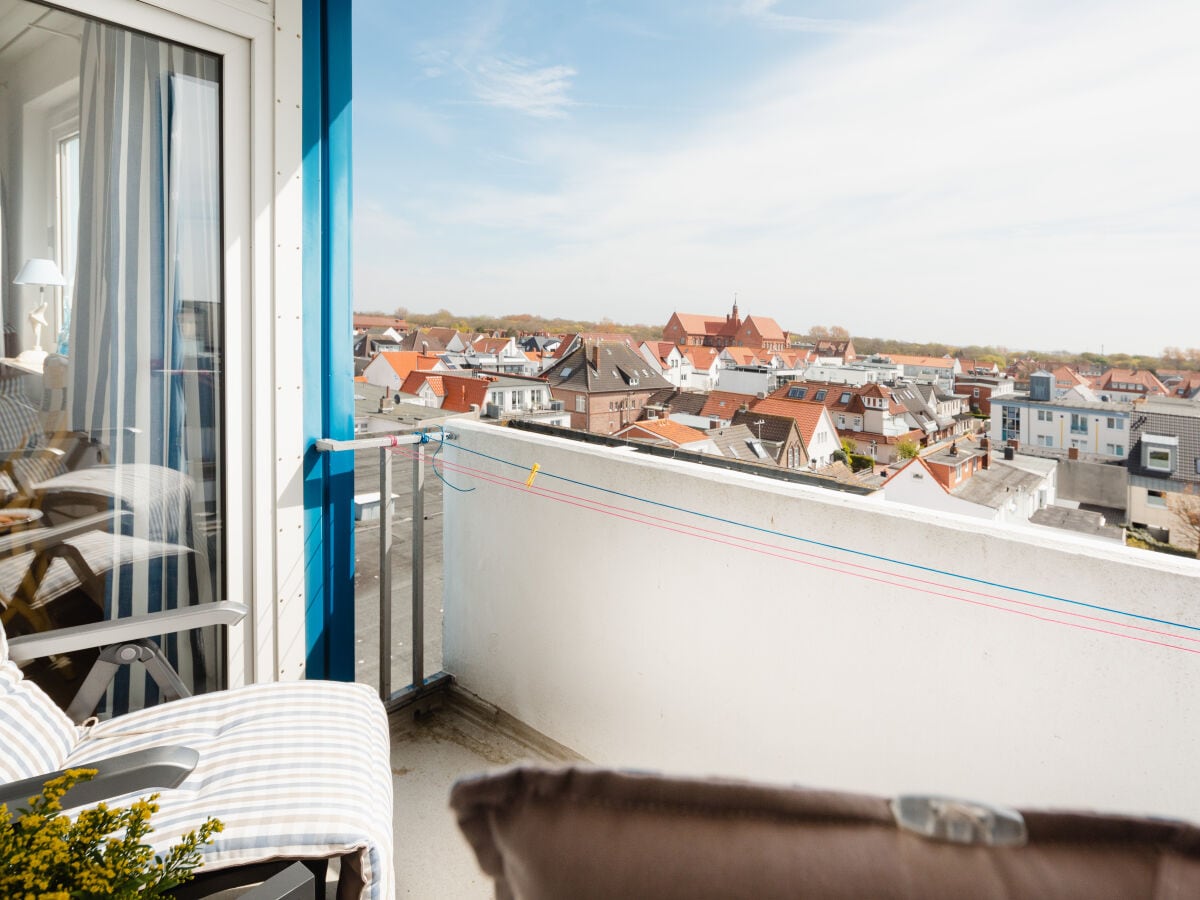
(659,647)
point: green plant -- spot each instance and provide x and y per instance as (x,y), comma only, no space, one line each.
(907,449)
(46,854)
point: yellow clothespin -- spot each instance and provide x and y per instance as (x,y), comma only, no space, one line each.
(532,475)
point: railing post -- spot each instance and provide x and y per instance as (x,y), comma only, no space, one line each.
(418,568)
(386,511)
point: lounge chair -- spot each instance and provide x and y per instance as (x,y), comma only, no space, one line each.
(294,770)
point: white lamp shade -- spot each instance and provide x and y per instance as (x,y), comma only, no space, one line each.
(40,271)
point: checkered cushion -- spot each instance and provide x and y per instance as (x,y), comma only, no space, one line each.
(293,769)
(35,735)
(20,426)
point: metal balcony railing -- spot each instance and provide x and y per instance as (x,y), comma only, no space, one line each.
(422,689)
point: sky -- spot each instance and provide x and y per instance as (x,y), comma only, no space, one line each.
(1024,174)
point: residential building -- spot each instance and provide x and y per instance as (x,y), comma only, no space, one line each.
(938,413)
(869,415)
(511,395)
(966,480)
(571,342)
(721,406)
(740,443)
(813,421)
(835,350)
(706,366)
(1095,427)
(977,367)
(838,374)
(1182,385)
(604,385)
(452,393)
(1164,465)
(779,435)
(1128,384)
(668,361)
(666,433)
(389,369)
(364,322)
(982,390)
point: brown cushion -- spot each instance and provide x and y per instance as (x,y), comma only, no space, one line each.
(580,833)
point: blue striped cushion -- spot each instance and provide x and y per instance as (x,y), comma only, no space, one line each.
(293,769)
(35,735)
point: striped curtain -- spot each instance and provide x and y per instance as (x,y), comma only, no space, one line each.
(149,257)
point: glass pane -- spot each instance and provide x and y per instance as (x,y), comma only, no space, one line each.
(111,387)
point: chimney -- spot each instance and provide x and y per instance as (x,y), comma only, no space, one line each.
(954,448)
(986,460)
(1073,453)
(713,423)
(596,355)
(984,443)
(1010,453)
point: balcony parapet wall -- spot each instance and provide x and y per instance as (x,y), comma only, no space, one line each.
(847,659)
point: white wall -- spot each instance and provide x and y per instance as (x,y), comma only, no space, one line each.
(915,486)
(664,650)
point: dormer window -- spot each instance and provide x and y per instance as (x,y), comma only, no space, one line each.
(1158,453)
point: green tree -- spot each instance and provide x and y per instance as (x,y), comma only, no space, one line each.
(907,449)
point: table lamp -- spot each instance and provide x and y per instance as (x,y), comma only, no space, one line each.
(44,273)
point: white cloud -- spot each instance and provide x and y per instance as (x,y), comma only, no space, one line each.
(513,83)
(766,12)
(1025,175)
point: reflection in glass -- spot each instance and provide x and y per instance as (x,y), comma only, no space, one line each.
(114,139)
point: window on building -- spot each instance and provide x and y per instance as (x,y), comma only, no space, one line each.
(516,399)
(976,392)
(1156,498)
(820,395)
(1115,449)
(1158,452)
(797,393)
(1079,424)
(845,398)
(1046,440)
(580,403)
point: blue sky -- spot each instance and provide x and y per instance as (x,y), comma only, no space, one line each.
(1025,174)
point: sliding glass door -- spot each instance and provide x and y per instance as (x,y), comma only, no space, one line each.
(112,380)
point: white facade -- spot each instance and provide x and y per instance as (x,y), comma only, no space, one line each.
(746,381)
(1099,431)
(823,442)
(675,367)
(914,485)
(855,376)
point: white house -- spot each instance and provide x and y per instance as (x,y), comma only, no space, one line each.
(668,361)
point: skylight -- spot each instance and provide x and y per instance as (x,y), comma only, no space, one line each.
(797,393)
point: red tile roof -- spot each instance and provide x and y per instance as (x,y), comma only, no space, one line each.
(462,393)
(702,357)
(405,361)
(1143,377)
(768,328)
(415,379)
(723,404)
(664,429)
(806,413)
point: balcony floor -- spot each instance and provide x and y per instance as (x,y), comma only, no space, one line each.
(464,737)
